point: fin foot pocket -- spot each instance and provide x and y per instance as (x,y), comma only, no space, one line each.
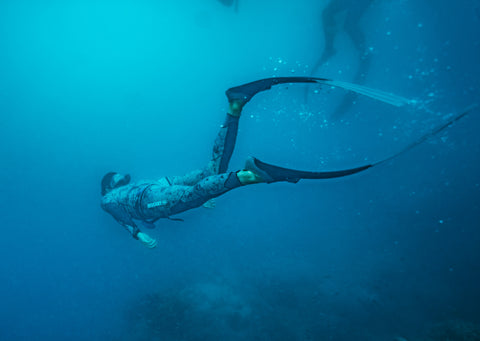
(271,173)
(245,92)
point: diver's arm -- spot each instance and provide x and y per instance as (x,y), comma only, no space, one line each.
(124,219)
(144,238)
(132,229)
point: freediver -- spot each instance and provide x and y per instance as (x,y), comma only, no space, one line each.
(353,11)
(147,202)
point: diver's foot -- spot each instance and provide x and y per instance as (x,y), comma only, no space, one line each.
(256,173)
(240,95)
(235,107)
(251,174)
(247,177)
(263,172)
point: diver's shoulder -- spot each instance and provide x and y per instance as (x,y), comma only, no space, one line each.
(116,194)
(108,199)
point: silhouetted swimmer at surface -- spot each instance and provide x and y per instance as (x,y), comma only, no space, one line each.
(145,202)
(230,3)
(353,11)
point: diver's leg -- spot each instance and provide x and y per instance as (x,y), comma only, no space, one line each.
(222,149)
(224,145)
(221,154)
(226,138)
(255,172)
(205,190)
(164,201)
(237,98)
(240,95)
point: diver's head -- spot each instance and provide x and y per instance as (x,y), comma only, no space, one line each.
(113,180)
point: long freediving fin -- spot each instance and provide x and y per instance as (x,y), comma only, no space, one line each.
(271,173)
(430,134)
(246,91)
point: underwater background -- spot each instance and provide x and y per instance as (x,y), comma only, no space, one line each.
(137,87)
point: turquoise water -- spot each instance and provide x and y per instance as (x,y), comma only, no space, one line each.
(87,87)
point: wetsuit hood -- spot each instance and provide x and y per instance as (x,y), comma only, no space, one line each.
(113,180)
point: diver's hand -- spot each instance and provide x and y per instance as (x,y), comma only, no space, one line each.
(147,240)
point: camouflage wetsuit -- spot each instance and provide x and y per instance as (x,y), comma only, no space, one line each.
(150,201)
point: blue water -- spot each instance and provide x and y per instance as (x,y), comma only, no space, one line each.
(87,87)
